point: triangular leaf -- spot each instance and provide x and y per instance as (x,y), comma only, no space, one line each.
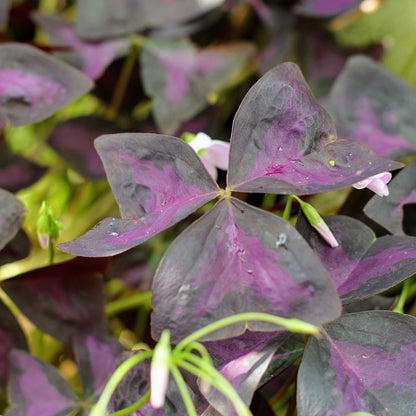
(283,141)
(325,8)
(16,249)
(374,107)
(361,266)
(157,181)
(35,85)
(234,259)
(91,58)
(11,336)
(11,216)
(63,294)
(389,211)
(95,357)
(36,388)
(179,77)
(363,362)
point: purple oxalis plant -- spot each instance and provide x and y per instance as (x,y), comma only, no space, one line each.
(237,258)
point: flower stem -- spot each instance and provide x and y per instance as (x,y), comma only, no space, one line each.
(183,389)
(403,297)
(135,406)
(288,208)
(101,406)
(120,305)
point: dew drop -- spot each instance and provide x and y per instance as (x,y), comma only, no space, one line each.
(282,240)
(332,162)
(114,234)
(280,149)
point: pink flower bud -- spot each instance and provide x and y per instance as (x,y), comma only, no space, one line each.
(377,183)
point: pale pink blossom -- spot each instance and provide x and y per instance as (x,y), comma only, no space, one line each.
(213,153)
(377,183)
(326,233)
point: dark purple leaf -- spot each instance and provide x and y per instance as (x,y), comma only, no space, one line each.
(12,213)
(325,8)
(34,85)
(90,57)
(235,259)
(374,107)
(17,172)
(16,249)
(37,388)
(11,336)
(58,298)
(375,303)
(95,357)
(284,142)
(389,211)
(100,19)
(179,77)
(157,181)
(361,266)
(243,361)
(363,362)
(74,141)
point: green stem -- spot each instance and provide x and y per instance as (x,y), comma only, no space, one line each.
(293,325)
(135,406)
(100,407)
(51,252)
(214,377)
(288,208)
(403,297)
(120,305)
(183,390)
(203,352)
(124,78)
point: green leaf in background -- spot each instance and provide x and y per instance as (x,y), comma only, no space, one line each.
(392,25)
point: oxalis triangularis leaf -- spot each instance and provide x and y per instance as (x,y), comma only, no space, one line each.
(236,258)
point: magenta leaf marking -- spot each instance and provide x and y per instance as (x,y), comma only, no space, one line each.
(157,181)
(363,362)
(34,85)
(374,107)
(63,294)
(389,211)
(238,259)
(37,388)
(283,141)
(92,58)
(96,357)
(180,77)
(361,266)
(11,216)
(325,8)
(11,336)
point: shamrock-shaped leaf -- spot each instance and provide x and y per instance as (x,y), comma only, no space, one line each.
(284,142)
(361,266)
(37,388)
(389,211)
(179,77)
(92,58)
(63,294)
(374,107)
(157,181)
(325,8)
(16,249)
(363,362)
(11,216)
(11,336)
(74,141)
(34,85)
(234,259)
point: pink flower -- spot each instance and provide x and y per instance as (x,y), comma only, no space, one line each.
(213,153)
(377,183)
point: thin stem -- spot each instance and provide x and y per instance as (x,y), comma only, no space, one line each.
(203,352)
(135,406)
(124,78)
(220,383)
(403,297)
(288,208)
(120,305)
(51,252)
(293,325)
(183,390)
(100,407)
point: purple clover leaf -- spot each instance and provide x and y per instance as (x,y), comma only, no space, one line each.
(325,8)
(34,85)
(12,214)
